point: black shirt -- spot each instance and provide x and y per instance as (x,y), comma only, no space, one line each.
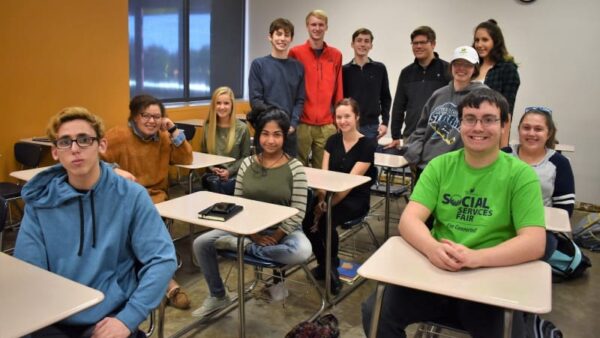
(415,86)
(370,87)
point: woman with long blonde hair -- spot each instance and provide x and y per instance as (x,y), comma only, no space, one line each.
(227,136)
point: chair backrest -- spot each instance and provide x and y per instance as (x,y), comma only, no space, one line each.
(188,129)
(3,213)
(28,154)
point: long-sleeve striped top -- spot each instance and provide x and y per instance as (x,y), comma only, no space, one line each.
(283,185)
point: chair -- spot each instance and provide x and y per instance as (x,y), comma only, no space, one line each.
(28,155)
(3,212)
(353,226)
(261,264)
(188,129)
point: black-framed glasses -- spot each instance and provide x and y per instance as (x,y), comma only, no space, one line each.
(486,121)
(83,141)
(419,43)
(541,109)
(146,117)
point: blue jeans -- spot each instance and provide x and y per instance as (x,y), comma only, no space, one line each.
(369,130)
(292,249)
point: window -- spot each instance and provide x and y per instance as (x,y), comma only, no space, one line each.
(181,50)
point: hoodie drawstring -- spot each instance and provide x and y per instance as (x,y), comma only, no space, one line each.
(93,219)
(81,233)
(81,223)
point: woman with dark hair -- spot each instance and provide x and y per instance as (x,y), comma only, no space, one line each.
(272,176)
(349,152)
(224,135)
(537,133)
(498,68)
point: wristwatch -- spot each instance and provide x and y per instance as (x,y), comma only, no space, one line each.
(172,129)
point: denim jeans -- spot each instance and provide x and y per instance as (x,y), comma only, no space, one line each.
(292,249)
(369,130)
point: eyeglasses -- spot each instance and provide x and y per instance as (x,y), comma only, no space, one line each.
(486,121)
(83,141)
(541,109)
(147,117)
(419,43)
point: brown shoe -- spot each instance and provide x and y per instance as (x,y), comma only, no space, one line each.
(178,298)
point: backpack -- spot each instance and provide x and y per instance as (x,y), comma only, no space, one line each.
(587,232)
(536,327)
(323,327)
(567,261)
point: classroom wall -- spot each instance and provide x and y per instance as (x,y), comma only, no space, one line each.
(57,54)
(553,41)
(63,53)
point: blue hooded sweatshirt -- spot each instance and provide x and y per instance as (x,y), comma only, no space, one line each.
(110,238)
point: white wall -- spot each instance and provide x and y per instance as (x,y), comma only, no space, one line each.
(555,43)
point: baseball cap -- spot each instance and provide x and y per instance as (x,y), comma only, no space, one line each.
(466,53)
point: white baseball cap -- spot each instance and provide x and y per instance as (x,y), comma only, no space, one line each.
(466,53)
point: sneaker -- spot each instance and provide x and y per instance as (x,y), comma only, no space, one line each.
(214,304)
(278,292)
(229,243)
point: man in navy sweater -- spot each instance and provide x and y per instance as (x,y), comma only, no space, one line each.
(276,80)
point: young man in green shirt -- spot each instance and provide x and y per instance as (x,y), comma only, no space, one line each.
(488,211)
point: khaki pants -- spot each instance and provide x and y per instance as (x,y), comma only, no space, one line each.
(312,139)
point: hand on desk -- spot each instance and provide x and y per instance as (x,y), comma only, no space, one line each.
(110,327)
(451,256)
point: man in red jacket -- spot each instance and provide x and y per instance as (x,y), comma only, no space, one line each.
(323,83)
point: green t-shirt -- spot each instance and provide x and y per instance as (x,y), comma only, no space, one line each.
(480,208)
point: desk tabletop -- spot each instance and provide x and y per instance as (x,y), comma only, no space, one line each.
(204,160)
(333,181)
(557,219)
(193,122)
(27,174)
(385,140)
(525,287)
(40,140)
(390,161)
(32,298)
(255,217)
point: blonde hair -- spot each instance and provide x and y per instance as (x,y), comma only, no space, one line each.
(71,114)
(317,13)
(211,137)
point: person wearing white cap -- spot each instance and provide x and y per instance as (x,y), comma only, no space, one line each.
(438,129)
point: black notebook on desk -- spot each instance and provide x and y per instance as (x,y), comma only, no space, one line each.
(220,211)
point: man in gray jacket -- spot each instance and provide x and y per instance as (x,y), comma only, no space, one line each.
(438,129)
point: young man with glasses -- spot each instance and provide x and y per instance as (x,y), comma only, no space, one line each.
(416,83)
(86,223)
(144,149)
(366,81)
(488,212)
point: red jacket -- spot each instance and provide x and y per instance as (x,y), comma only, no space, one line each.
(323,82)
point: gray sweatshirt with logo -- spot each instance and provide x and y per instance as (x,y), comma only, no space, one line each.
(438,129)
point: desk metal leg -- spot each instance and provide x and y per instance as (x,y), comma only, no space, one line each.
(376,310)
(508,321)
(190,180)
(387,203)
(328,250)
(240,245)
